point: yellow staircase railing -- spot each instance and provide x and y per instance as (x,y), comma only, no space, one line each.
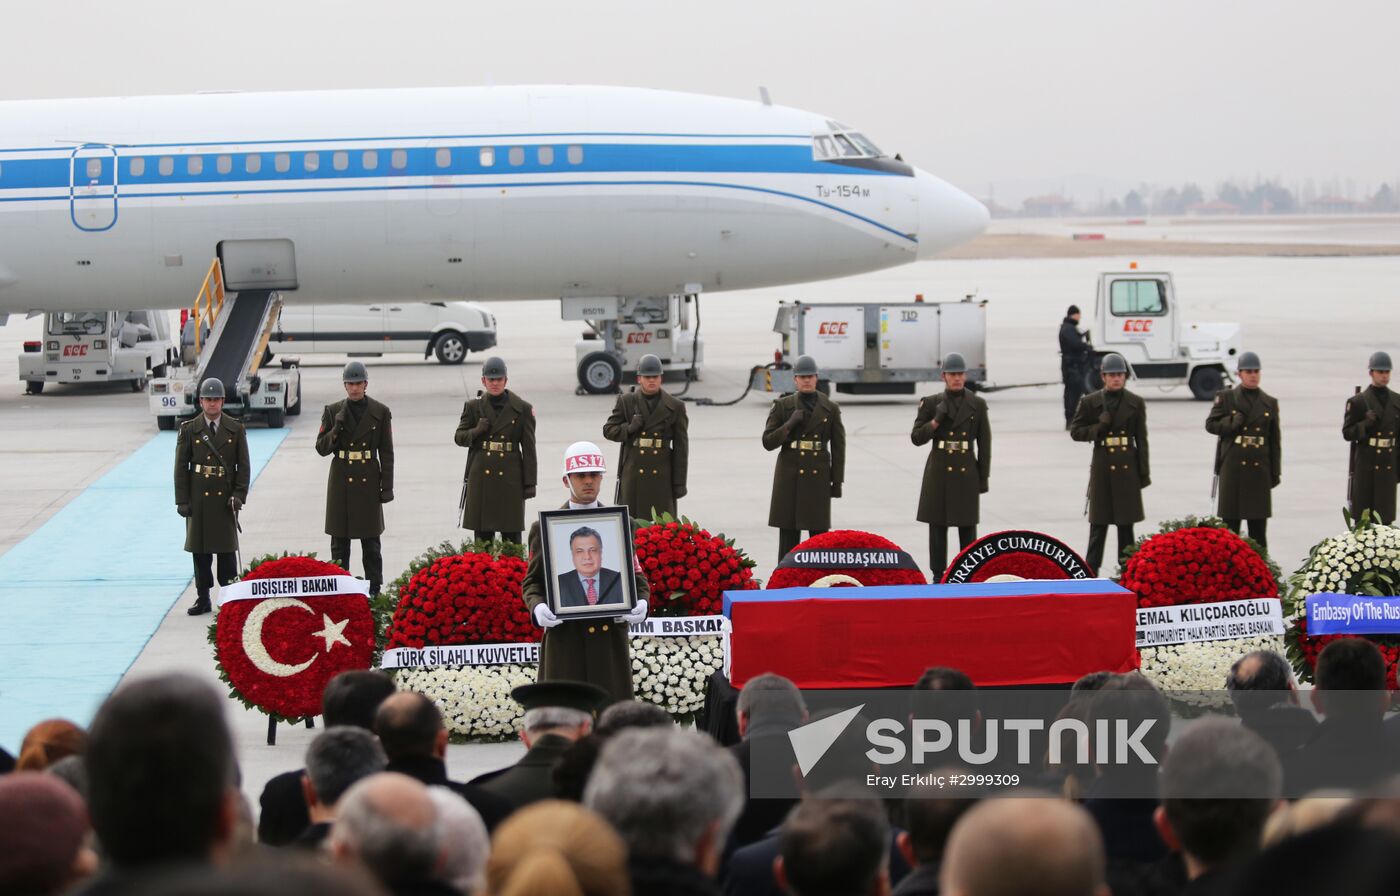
(209,302)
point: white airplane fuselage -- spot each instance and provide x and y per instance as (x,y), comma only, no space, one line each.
(448,193)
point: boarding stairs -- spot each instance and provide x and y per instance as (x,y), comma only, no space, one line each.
(238,328)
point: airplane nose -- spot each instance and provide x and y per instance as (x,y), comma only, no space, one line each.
(947,215)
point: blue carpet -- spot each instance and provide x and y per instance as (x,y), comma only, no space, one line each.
(81,596)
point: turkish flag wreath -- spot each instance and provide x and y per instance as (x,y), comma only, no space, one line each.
(278,653)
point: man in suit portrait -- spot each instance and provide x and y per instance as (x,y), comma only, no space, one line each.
(589,584)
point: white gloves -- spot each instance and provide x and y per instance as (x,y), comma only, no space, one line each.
(545,617)
(636,615)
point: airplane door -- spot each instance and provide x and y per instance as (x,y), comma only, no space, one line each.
(92,187)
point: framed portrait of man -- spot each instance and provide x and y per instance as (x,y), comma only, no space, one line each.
(587,556)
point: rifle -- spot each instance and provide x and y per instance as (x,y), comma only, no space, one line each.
(461,504)
(1351,468)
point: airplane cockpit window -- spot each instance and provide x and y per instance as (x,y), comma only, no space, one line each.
(866,146)
(848,149)
(844,143)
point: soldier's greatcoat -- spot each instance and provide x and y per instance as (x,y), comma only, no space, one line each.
(811,462)
(1376,453)
(595,651)
(361,477)
(959,461)
(205,479)
(500,464)
(1249,453)
(1119,470)
(651,472)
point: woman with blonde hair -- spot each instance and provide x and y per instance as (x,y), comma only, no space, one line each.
(49,741)
(555,848)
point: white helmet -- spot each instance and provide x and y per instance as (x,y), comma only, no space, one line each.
(584,457)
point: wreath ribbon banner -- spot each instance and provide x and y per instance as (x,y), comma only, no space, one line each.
(1221,621)
(304,586)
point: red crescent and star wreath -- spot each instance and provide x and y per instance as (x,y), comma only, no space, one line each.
(278,652)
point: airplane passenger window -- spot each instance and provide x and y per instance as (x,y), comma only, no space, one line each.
(136,167)
(94,168)
(517,156)
(545,155)
(194,165)
(575,154)
(398,159)
(311,161)
(847,147)
(340,161)
(369,160)
(224,164)
(487,156)
(253,163)
(282,162)
(443,157)
(166,166)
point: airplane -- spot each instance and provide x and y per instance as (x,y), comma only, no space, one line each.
(500,193)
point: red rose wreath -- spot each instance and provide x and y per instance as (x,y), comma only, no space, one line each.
(1199,561)
(463,598)
(278,653)
(688,569)
(850,540)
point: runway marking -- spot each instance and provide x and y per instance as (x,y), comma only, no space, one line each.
(82,595)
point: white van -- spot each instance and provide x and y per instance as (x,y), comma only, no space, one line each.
(448,329)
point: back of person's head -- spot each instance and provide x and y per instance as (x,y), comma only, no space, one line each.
(770,701)
(353,697)
(1013,846)
(409,725)
(942,678)
(1089,683)
(632,714)
(1350,672)
(947,694)
(1258,680)
(670,793)
(575,766)
(1219,783)
(1133,698)
(265,873)
(387,823)
(929,816)
(160,771)
(1338,858)
(42,828)
(338,758)
(834,847)
(71,771)
(48,742)
(844,764)
(554,848)
(564,721)
(465,841)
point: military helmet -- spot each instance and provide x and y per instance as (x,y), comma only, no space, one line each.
(494,368)
(954,363)
(1114,363)
(584,457)
(212,387)
(354,372)
(1380,361)
(1249,361)
(806,366)
(650,365)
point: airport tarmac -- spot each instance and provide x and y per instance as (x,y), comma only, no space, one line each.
(1314,321)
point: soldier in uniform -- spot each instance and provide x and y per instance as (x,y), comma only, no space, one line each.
(652,427)
(498,430)
(594,650)
(1115,420)
(805,428)
(211,486)
(1372,425)
(554,733)
(358,436)
(959,463)
(1249,453)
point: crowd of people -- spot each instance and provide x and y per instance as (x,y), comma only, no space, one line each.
(619,800)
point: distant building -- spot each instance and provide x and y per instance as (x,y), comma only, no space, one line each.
(996,211)
(1214,207)
(1047,207)
(1335,205)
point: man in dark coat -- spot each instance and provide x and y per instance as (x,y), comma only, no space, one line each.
(1372,425)
(805,428)
(211,486)
(1074,361)
(592,650)
(1115,420)
(959,464)
(498,429)
(557,715)
(653,429)
(357,433)
(1249,454)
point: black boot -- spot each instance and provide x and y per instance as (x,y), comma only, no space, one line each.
(373,590)
(201,604)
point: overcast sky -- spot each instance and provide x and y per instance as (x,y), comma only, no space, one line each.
(1018,97)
